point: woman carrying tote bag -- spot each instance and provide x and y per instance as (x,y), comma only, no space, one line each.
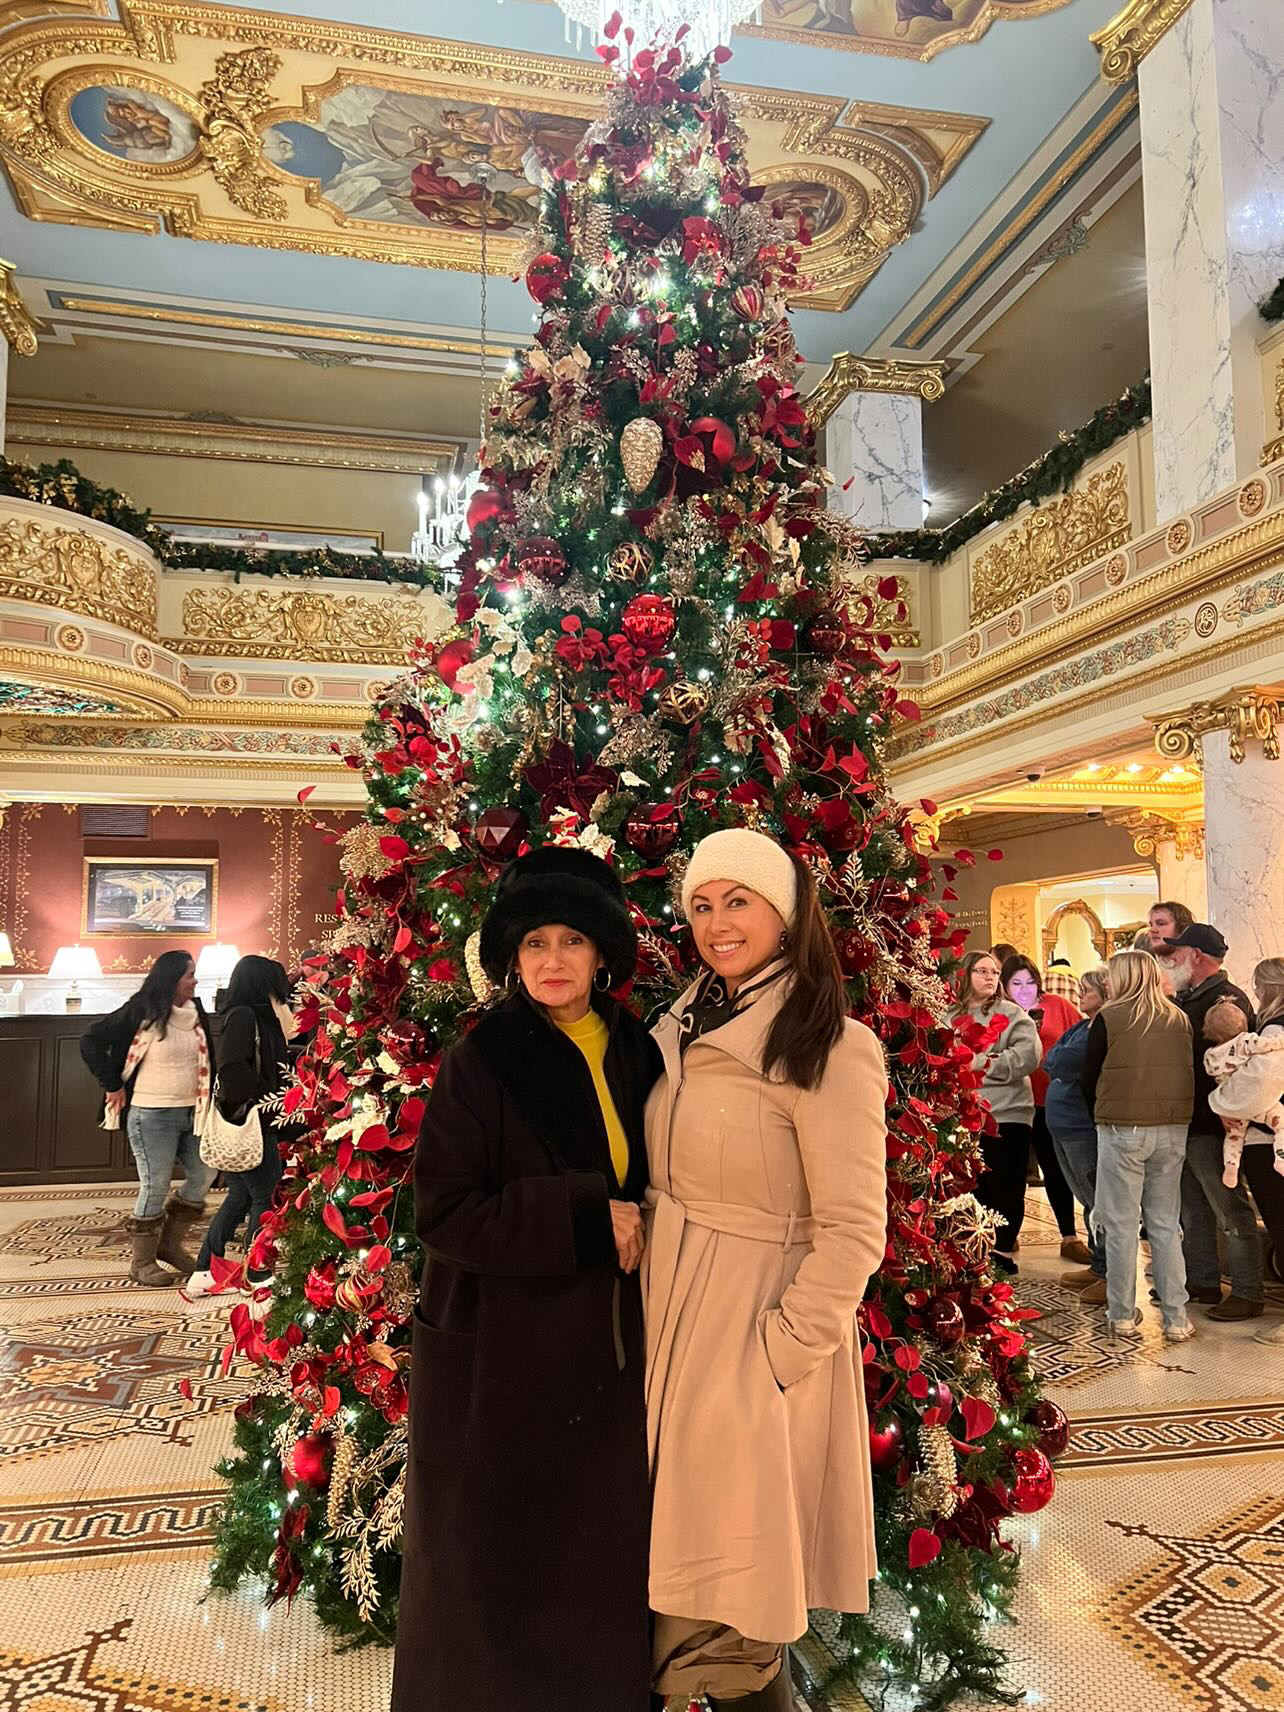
(767,1215)
(251,1068)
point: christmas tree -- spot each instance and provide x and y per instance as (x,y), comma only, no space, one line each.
(659,629)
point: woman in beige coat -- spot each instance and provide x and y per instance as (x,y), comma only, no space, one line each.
(767,1215)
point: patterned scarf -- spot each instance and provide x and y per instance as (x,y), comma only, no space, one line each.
(146,1036)
(712,1005)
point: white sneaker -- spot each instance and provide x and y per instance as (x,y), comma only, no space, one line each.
(1125,1328)
(198,1285)
(1179,1334)
(1270,1334)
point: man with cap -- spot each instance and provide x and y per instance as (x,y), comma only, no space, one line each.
(1207,1205)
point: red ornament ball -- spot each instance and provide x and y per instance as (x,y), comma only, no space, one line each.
(885,1445)
(825,633)
(648,621)
(1050,1422)
(308,1460)
(542,557)
(1033,1481)
(452,658)
(943,1318)
(651,829)
(855,953)
(546,277)
(499,833)
(748,301)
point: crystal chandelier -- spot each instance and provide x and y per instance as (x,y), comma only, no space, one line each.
(709,22)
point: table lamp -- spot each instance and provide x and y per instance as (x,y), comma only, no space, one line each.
(214,966)
(75,963)
(6,952)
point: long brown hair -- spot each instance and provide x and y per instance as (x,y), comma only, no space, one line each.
(963,990)
(810,1022)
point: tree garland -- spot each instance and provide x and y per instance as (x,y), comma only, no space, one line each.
(62,485)
(1053,473)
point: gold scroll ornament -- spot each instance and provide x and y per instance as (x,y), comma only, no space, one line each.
(1053,539)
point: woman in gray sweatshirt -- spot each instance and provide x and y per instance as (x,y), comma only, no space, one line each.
(1005,1068)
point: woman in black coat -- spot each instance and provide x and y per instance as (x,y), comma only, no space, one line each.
(252,1066)
(524,1574)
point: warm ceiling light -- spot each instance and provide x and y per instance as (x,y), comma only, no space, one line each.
(1133,767)
(709,22)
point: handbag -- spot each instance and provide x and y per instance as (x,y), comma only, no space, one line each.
(228,1146)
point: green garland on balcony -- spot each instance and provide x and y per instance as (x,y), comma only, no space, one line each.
(62,485)
(1053,473)
(1273,307)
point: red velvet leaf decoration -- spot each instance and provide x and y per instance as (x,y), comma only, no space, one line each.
(924,1547)
(978,1417)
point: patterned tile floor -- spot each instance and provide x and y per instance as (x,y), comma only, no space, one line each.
(1156,1581)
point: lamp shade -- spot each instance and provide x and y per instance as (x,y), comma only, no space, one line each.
(215,963)
(6,952)
(75,963)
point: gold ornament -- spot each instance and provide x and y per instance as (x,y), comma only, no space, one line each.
(641,442)
(630,562)
(932,1486)
(348,1295)
(683,703)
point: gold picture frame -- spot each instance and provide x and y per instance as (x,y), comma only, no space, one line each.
(174,895)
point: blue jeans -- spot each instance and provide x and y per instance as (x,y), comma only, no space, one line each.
(1139,1174)
(1208,1206)
(247,1191)
(159,1136)
(1077,1156)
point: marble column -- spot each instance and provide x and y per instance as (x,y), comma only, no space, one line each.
(1182,874)
(873,416)
(1239,738)
(1212,147)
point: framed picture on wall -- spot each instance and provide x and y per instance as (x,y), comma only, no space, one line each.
(137,896)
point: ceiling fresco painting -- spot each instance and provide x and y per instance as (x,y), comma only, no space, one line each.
(908,29)
(241,127)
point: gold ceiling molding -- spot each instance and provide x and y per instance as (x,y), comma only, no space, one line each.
(212,177)
(1150,829)
(1132,33)
(1251,715)
(77,571)
(1051,541)
(305,624)
(17,324)
(1012,229)
(126,310)
(139,694)
(872,374)
(975,22)
(247,442)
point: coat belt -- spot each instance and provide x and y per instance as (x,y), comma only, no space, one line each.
(669,1217)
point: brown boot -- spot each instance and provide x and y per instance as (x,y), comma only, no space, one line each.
(777,1696)
(145,1234)
(178,1215)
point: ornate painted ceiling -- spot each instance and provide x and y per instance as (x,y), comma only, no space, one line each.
(246,179)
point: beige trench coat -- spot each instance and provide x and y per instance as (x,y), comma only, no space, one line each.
(766,1217)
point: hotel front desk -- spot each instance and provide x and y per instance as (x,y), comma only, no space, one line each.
(52,1107)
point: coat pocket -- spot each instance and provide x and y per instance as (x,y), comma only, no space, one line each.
(441,1387)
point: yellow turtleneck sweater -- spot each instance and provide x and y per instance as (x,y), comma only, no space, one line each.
(591,1034)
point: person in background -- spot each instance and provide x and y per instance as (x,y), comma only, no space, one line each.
(1060,980)
(1247,1094)
(252,1066)
(1006,1068)
(1002,952)
(1051,1016)
(1074,1134)
(1138,1082)
(1166,921)
(1207,1205)
(152,1057)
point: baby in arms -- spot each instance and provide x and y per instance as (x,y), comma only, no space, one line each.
(1233,1047)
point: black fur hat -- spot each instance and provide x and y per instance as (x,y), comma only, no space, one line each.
(559,884)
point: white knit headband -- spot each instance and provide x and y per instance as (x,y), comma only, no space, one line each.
(748,859)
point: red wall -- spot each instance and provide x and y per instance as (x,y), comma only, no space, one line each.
(276,880)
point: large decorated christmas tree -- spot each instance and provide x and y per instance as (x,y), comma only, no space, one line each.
(660,628)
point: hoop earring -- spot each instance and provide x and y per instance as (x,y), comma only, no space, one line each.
(600,986)
(513,981)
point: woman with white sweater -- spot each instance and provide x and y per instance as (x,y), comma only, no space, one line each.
(1006,1065)
(152,1057)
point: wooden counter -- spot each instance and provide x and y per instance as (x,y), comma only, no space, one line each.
(52,1107)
